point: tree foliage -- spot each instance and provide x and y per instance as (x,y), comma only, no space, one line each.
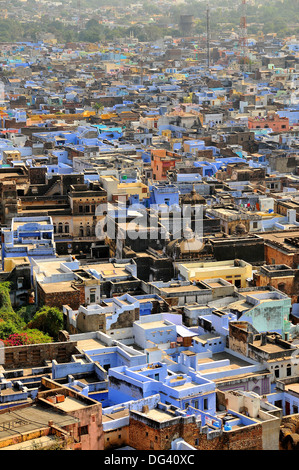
(14,328)
(270,16)
(49,320)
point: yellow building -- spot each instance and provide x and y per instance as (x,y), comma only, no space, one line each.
(234,271)
(114,188)
(10,155)
(11,263)
(130,189)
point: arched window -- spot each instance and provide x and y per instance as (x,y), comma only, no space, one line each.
(88,231)
(66,228)
(276,371)
(289,370)
(60,227)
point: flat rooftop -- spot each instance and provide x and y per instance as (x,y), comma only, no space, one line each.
(32,444)
(49,268)
(154,324)
(17,224)
(118,414)
(234,360)
(292,388)
(206,337)
(279,236)
(70,404)
(29,419)
(215,284)
(189,288)
(270,347)
(159,415)
(90,344)
(108,270)
(62,286)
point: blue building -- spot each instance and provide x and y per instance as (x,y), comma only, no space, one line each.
(181,389)
(32,237)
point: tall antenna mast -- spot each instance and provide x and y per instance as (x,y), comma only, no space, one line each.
(243,40)
(79,16)
(208,36)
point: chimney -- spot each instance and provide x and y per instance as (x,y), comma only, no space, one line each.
(263,339)
(291,213)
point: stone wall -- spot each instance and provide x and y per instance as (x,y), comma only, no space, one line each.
(146,435)
(289,433)
(35,355)
(151,435)
(58,298)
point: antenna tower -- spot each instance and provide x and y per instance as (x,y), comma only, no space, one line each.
(208,36)
(243,39)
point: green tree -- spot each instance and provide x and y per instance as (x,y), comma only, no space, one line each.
(98,107)
(7,314)
(49,320)
(7,328)
(36,336)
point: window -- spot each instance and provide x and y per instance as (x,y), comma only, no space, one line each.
(66,228)
(83,430)
(276,372)
(81,209)
(295,409)
(92,297)
(60,228)
(289,370)
(205,404)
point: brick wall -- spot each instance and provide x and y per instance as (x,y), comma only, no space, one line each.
(35,355)
(146,436)
(59,298)
(158,436)
(37,175)
(116,438)
(275,256)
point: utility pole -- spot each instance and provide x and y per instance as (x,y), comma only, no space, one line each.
(243,40)
(208,37)
(79,16)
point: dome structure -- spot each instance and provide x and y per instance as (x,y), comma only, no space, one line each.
(193,198)
(186,246)
(240,228)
